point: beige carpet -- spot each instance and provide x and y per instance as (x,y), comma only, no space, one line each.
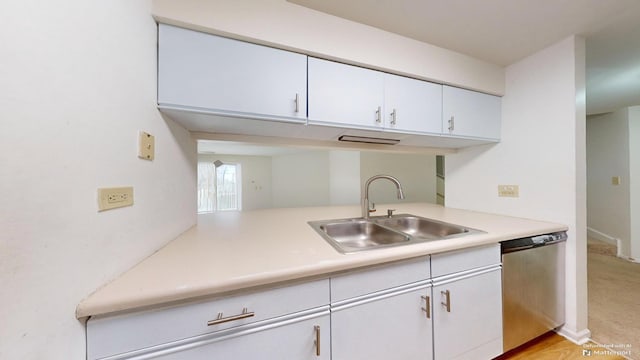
(614,299)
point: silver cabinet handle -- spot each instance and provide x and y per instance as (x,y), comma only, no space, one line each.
(317,342)
(451,124)
(427,308)
(221,320)
(447,303)
(393,117)
(379,115)
(297,101)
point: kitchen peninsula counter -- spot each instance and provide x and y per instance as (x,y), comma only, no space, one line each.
(229,252)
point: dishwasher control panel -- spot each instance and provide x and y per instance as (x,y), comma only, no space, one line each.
(533,241)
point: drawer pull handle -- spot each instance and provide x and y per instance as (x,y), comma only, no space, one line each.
(317,342)
(379,115)
(297,101)
(447,302)
(221,320)
(427,308)
(393,117)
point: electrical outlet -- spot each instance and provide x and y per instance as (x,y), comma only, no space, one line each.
(111,198)
(508,191)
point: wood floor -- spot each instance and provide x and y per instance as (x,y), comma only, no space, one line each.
(554,347)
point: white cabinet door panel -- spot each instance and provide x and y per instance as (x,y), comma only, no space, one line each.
(293,341)
(474,114)
(345,95)
(472,328)
(224,75)
(392,327)
(415,105)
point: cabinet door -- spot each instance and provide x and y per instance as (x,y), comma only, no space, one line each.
(345,95)
(470,114)
(297,340)
(388,327)
(412,105)
(220,75)
(470,327)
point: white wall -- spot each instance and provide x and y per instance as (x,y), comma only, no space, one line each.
(634,180)
(256,178)
(300,179)
(543,151)
(78,82)
(416,173)
(608,205)
(344,177)
(285,25)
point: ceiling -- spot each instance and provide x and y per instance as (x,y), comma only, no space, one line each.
(505,31)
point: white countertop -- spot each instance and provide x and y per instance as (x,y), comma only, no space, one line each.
(232,251)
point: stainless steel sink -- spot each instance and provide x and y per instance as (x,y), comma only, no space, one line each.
(358,234)
(422,227)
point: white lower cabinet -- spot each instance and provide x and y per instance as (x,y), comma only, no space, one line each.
(395,325)
(467,316)
(268,324)
(383,312)
(300,340)
(447,306)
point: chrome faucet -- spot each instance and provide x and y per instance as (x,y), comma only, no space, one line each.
(365,199)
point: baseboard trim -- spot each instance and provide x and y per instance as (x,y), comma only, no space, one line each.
(629,259)
(579,337)
(599,235)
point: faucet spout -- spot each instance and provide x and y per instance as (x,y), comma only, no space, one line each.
(365,198)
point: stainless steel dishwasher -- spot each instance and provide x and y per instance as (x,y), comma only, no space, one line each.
(533,288)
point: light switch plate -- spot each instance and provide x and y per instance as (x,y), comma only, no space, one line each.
(146,146)
(508,191)
(111,198)
(615,180)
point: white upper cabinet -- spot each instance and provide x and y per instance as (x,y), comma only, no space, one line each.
(208,73)
(212,83)
(351,96)
(345,95)
(468,113)
(412,105)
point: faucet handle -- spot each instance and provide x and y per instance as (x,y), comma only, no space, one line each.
(390,212)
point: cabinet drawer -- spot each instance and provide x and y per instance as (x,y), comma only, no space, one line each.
(465,259)
(289,340)
(116,334)
(372,279)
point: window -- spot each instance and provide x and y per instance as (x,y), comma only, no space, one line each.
(219,187)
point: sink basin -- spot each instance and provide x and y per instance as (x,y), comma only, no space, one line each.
(358,234)
(421,227)
(353,235)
